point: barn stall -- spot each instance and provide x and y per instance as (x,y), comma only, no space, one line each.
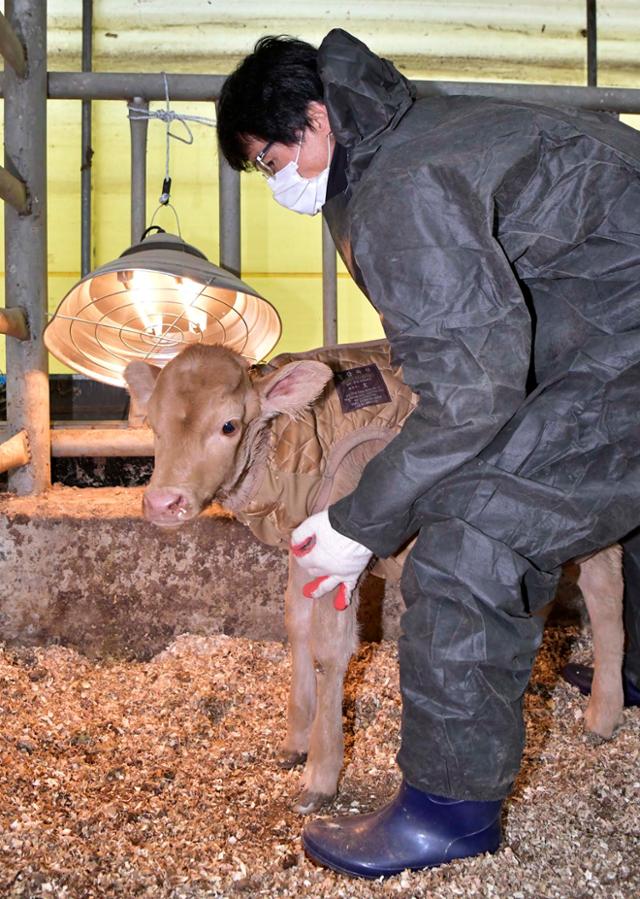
(144,673)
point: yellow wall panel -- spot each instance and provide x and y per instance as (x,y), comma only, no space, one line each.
(281,251)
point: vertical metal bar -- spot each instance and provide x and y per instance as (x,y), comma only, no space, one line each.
(25,103)
(87,150)
(592,44)
(139,130)
(229,213)
(329,288)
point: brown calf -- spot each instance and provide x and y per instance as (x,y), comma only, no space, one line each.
(212,418)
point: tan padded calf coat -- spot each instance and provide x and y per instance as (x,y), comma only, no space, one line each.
(306,452)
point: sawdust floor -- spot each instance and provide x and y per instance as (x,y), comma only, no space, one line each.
(159,779)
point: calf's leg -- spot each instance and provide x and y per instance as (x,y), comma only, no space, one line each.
(333,640)
(302,690)
(334,637)
(602,587)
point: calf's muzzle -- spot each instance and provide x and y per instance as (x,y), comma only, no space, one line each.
(168,506)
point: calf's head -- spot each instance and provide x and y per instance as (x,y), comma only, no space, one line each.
(207,410)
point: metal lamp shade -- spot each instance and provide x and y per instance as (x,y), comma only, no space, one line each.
(160,296)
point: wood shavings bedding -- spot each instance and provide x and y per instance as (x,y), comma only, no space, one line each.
(159,779)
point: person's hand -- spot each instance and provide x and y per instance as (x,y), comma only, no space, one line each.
(332,559)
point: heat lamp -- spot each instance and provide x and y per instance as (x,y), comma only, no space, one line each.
(160,296)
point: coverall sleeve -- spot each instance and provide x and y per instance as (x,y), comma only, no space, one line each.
(458,324)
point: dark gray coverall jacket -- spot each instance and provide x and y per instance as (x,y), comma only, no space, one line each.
(501,244)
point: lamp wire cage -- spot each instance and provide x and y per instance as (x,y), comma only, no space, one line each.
(160,296)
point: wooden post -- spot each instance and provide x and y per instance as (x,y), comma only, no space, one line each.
(14,452)
(26,245)
(11,48)
(13,191)
(101,442)
(13,323)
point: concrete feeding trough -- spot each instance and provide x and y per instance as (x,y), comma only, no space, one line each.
(82,568)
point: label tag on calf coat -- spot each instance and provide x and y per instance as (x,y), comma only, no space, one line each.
(360,387)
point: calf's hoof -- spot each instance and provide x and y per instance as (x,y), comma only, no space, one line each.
(604,711)
(291,758)
(309,801)
(603,722)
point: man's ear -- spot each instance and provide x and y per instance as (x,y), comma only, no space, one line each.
(293,387)
(318,116)
(141,379)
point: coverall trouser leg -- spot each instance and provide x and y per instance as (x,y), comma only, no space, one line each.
(562,479)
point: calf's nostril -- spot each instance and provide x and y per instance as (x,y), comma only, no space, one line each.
(158,504)
(178,507)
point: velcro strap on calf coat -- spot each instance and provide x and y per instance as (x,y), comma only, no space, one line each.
(306,453)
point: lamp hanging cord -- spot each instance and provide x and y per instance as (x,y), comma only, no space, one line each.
(167,115)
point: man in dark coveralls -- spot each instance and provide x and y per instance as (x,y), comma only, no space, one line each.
(500,242)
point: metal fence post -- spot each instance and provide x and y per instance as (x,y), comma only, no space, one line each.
(592,44)
(329,288)
(139,129)
(86,263)
(229,213)
(26,244)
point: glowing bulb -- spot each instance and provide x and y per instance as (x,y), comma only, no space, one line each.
(157,326)
(189,291)
(141,289)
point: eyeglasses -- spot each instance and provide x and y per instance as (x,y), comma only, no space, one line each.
(264,167)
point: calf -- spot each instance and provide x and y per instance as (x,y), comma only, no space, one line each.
(278,443)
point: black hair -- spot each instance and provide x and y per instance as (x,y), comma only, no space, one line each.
(267,96)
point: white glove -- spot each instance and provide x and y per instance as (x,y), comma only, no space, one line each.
(333,559)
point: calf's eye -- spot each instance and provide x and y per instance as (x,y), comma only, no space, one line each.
(228,427)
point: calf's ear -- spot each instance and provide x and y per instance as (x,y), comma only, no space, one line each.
(141,379)
(293,387)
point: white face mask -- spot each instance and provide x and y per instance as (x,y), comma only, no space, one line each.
(304,195)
